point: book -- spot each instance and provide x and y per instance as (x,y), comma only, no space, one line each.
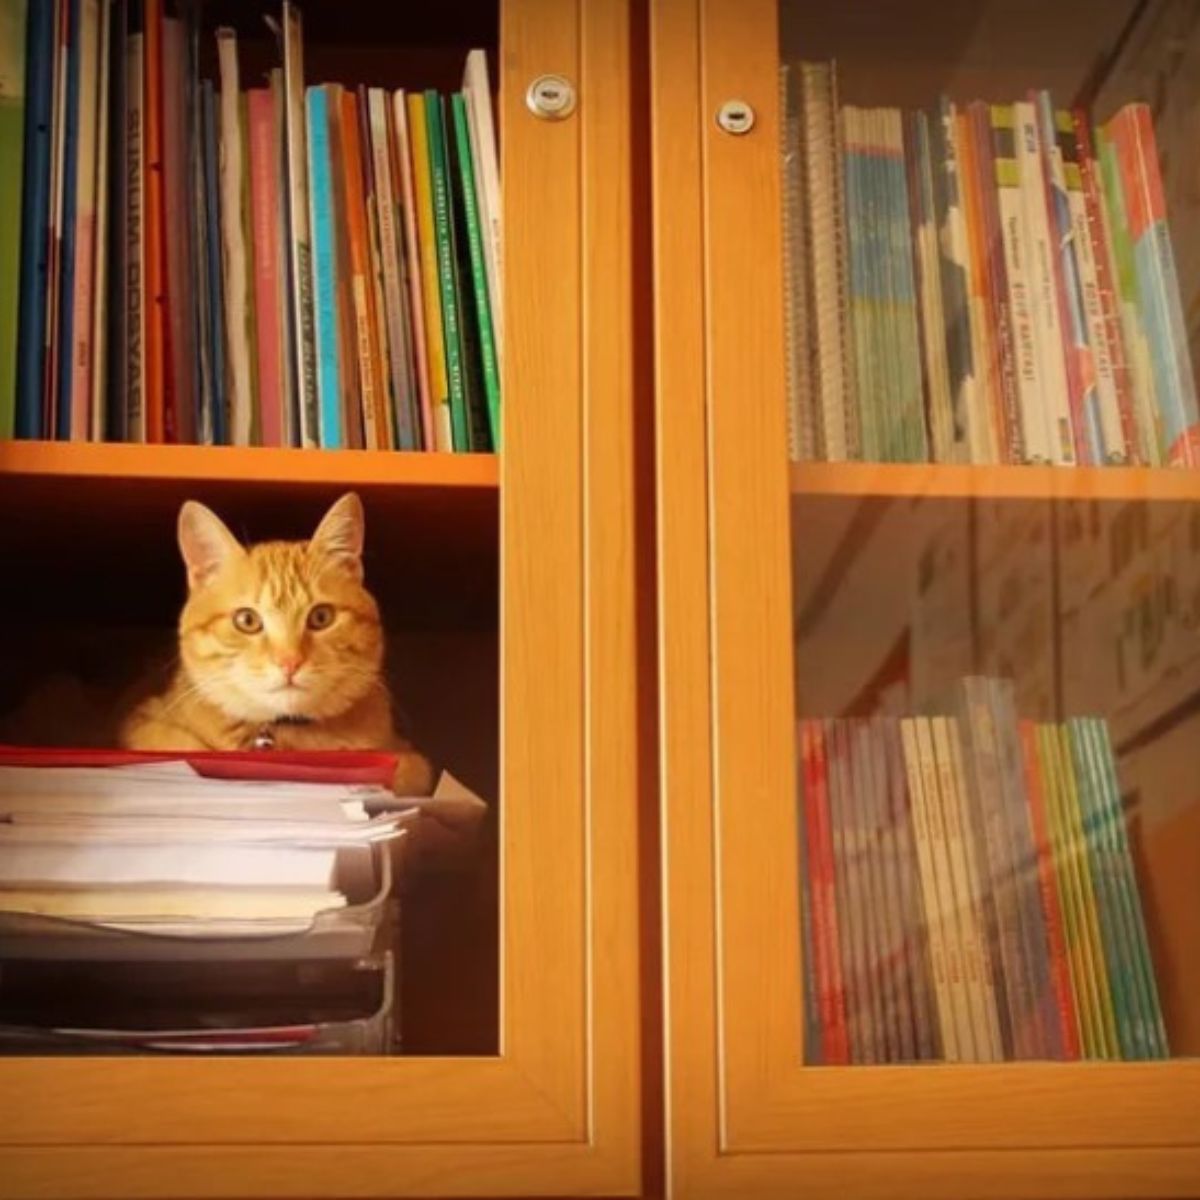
(179,304)
(1028,440)
(985,126)
(366,329)
(98,381)
(156,366)
(1110,424)
(418,284)
(955,265)
(237,297)
(111,312)
(934,913)
(324,269)
(33,232)
(300,272)
(395,307)
(1131,133)
(80,47)
(14,47)
(481,126)
(262,121)
(1048,883)
(477,273)
(447,273)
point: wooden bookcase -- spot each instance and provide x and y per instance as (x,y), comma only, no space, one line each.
(508,584)
(746,556)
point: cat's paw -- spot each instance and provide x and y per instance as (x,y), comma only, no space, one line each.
(413,775)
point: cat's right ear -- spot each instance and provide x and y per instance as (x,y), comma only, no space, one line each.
(205,543)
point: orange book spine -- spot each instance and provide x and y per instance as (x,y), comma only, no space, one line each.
(366,325)
(988,351)
(155,354)
(1060,969)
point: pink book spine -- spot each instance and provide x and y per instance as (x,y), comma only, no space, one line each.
(403,154)
(264,202)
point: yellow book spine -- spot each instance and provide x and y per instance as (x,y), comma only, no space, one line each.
(1091,919)
(431,301)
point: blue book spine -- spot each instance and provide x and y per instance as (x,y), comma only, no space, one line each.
(906,330)
(66,290)
(35,219)
(216,304)
(320,189)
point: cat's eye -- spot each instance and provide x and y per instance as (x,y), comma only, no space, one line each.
(247,620)
(320,616)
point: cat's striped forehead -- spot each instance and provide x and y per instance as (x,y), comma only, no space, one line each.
(284,574)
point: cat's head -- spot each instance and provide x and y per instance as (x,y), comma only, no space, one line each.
(279,629)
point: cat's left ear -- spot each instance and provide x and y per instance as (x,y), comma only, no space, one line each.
(339,536)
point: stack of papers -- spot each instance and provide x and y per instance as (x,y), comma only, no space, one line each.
(149,845)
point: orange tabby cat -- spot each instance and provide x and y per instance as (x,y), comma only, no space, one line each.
(280,644)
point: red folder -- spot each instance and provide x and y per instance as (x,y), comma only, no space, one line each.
(324,766)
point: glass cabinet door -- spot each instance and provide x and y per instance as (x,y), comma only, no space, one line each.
(929,334)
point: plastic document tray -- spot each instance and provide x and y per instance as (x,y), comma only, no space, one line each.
(198,1010)
(364,877)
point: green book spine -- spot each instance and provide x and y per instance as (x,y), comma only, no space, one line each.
(1073,814)
(439,171)
(1086,1003)
(12,149)
(487,340)
(1155,1033)
(1125,1009)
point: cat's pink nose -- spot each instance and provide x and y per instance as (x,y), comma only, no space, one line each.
(290,664)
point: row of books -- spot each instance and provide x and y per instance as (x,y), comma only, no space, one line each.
(280,265)
(969,892)
(985,283)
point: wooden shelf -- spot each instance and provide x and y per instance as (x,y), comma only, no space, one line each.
(993,482)
(259,464)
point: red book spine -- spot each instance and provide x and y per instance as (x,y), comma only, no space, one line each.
(1106,286)
(837,1041)
(815,893)
(264,205)
(1060,970)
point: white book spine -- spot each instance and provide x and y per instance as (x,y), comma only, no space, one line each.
(960,990)
(481,129)
(300,256)
(1047,320)
(1014,225)
(984,1021)
(929,892)
(1111,430)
